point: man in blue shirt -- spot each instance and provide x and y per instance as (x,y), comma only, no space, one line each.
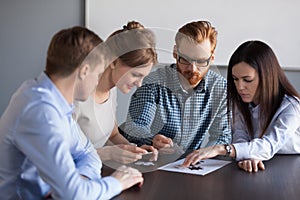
(41,152)
(183,103)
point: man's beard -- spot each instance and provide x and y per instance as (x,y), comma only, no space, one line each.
(193,77)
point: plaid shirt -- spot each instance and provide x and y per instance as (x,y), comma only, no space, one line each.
(162,106)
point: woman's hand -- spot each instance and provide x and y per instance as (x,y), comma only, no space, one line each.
(123,153)
(252,165)
(127,153)
(154,151)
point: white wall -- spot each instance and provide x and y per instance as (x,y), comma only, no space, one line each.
(274,21)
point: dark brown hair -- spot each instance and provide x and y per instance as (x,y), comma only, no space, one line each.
(273,84)
(69,48)
(197,32)
(133,45)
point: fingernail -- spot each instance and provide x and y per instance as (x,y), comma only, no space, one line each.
(133,144)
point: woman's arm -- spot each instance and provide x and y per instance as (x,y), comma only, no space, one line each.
(279,133)
(209,152)
(116,137)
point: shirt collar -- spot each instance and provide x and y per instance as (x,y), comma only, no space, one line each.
(254,110)
(45,82)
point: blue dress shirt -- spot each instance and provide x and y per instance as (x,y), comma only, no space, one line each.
(41,150)
(161,105)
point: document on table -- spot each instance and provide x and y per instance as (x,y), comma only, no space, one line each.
(201,168)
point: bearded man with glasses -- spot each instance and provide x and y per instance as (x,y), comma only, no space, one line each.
(183,103)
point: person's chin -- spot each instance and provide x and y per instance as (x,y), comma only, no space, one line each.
(246,100)
(194,82)
(84,98)
(125,90)
(80,99)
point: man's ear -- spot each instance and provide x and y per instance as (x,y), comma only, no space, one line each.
(83,71)
(175,52)
(212,59)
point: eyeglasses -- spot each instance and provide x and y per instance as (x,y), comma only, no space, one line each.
(184,60)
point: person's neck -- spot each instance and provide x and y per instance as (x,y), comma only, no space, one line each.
(104,86)
(65,85)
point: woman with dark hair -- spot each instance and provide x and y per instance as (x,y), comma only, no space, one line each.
(265,109)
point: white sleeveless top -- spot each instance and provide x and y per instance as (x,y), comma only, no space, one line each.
(97,120)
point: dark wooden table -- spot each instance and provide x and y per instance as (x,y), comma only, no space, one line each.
(280,180)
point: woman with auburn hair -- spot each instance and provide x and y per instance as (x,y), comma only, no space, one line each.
(266,109)
(130,58)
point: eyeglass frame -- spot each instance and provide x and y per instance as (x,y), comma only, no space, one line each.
(190,61)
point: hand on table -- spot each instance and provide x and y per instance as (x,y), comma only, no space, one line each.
(252,165)
(128,177)
(201,154)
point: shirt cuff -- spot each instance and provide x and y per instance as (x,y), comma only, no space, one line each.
(241,151)
(115,187)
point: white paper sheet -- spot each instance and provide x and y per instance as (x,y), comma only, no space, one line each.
(207,166)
